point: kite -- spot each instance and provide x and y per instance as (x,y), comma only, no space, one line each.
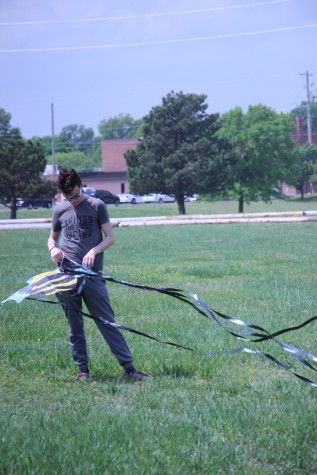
(71,276)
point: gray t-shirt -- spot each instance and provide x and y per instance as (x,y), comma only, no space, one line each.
(80,228)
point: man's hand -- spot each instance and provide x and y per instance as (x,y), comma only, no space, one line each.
(57,255)
(89,258)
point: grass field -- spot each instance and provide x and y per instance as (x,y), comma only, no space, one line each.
(233,414)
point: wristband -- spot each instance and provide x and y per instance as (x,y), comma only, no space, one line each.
(51,249)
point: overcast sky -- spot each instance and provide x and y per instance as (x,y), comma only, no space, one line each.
(96,59)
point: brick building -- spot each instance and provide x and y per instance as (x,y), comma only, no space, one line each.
(114,171)
(113,175)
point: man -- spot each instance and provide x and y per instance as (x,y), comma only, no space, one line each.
(82,224)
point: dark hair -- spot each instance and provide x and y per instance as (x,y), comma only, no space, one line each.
(67,179)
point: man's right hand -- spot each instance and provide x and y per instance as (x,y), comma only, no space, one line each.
(57,255)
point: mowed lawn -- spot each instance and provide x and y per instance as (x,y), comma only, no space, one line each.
(229,414)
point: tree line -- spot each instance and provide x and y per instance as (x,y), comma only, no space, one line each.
(182,150)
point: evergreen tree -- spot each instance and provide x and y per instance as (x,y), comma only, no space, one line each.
(178,153)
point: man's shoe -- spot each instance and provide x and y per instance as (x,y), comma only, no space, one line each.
(82,376)
(137,376)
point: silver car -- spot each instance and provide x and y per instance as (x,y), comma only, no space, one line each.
(158,198)
(129,198)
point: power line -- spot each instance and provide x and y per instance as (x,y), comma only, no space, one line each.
(145,15)
(160,42)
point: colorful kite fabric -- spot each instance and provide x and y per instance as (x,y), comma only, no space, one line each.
(48,283)
(71,276)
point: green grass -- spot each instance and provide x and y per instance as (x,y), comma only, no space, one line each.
(235,414)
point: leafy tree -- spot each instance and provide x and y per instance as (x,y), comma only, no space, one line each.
(122,126)
(5,119)
(301,111)
(178,153)
(261,151)
(78,160)
(78,136)
(304,166)
(21,162)
(66,155)
(62,144)
(6,128)
(314,174)
(45,143)
(93,154)
(138,129)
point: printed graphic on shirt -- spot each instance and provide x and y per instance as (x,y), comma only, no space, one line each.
(78,228)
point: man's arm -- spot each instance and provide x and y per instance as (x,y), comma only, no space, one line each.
(52,244)
(89,258)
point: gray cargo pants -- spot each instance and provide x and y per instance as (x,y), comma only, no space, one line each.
(95,295)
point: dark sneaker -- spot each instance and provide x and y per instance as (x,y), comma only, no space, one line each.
(137,375)
(82,376)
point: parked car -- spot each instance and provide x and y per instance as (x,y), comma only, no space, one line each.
(158,198)
(191,198)
(106,196)
(90,191)
(129,198)
(33,202)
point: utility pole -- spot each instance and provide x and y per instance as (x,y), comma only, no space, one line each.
(309,132)
(53,141)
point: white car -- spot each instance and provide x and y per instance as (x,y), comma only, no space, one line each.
(191,198)
(129,198)
(158,198)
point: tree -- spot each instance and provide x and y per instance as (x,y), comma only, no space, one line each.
(77,159)
(78,136)
(5,118)
(301,111)
(120,127)
(45,142)
(314,174)
(21,162)
(178,153)
(5,127)
(261,151)
(66,155)
(304,166)
(62,144)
